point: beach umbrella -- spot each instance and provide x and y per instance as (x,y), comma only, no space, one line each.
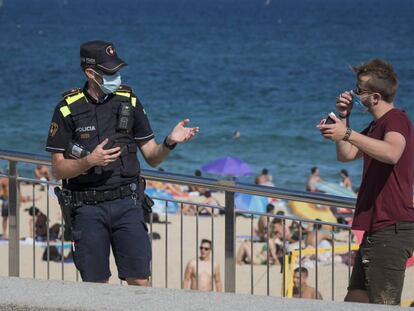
(159,204)
(312,211)
(228,166)
(251,203)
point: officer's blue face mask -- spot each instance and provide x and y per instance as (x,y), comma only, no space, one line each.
(110,83)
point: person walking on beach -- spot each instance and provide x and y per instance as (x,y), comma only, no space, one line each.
(301,289)
(384,208)
(94,137)
(204,280)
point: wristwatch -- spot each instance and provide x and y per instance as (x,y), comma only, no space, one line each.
(167,145)
(347,134)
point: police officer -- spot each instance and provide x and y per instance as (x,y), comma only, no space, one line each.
(94,137)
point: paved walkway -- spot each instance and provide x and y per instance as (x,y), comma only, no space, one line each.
(27,294)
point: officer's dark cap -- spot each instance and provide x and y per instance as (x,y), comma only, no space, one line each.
(100,55)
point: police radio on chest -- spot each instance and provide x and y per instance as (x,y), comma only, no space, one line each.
(76,151)
(124,117)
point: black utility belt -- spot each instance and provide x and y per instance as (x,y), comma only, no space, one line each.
(96,196)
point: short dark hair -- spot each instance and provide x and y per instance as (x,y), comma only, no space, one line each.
(277,221)
(206,241)
(270,207)
(345,172)
(207,193)
(197,173)
(382,78)
(33,209)
(314,169)
(302,270)
(265,171)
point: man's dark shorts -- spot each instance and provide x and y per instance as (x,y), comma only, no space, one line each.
(120,224)
(4,208)
(380,263)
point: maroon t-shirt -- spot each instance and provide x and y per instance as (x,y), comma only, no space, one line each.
(386,193)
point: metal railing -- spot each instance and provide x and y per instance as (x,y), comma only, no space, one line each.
(229,210)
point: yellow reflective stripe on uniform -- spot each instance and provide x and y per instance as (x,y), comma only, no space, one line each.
(71,99)
(133,101)
(65,111)
(125,94)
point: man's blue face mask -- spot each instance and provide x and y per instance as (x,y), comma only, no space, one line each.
(356,101)
(110,83)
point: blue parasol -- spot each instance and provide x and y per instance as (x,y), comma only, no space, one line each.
(251,203)
(227,166)
(159,205)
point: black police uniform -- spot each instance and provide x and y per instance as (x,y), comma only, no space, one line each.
(108,200)
(79,118)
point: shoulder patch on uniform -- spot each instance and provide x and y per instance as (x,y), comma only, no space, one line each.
(53,129)
(125,88)
(71,92)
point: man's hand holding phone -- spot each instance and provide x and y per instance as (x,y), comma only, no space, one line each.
(330,118)
(332,128)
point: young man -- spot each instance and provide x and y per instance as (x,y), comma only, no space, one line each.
(384,208)
(204,281)
(94,137)
(301,289)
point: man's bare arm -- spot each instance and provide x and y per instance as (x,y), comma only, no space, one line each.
(155,153)
(187,275)
(345,151)
(388,150)
(69,168)
(217,278)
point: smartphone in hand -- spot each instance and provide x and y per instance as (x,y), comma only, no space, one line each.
(329,119)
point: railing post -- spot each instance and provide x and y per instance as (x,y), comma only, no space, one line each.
(14,236)
(230,244)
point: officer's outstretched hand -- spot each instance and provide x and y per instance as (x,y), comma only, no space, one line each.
(101,156)
(181,133)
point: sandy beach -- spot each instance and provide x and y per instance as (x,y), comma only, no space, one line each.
(168,248)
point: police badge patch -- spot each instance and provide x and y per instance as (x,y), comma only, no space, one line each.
(53,129)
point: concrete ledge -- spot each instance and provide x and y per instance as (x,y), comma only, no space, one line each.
(27,294)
